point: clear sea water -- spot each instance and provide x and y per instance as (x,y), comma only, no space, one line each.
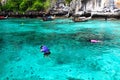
(73,56)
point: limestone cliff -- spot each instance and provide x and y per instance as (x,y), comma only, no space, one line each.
(117,3)
(3,1)
(94,5)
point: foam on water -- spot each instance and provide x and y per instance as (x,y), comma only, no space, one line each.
(72,57)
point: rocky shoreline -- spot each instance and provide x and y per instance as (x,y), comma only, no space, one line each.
(36,14)
(59,8)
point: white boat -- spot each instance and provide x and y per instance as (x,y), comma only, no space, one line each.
(81,19)
(3,17)
(48,18)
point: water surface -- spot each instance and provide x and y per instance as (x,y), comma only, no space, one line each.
(72,57)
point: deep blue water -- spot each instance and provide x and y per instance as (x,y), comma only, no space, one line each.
(73,56)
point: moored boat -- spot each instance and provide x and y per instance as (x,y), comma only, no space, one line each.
(48,18)
(3,17)
(81,19)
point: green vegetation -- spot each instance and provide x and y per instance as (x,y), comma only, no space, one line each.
(68,1)
(26,5)
(0,7)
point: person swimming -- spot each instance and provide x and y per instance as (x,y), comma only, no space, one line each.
(94,41)
(45,50)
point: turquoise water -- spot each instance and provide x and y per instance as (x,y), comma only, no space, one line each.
(72,57)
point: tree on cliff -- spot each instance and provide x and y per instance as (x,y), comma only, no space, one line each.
(24,5)
(68,1)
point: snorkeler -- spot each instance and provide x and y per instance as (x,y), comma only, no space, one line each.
(45,50)
(94,41)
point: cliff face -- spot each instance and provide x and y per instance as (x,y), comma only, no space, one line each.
(3,1)
(94,5)
(117,3)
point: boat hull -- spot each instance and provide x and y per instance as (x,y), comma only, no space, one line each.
(81,19)
(3,17)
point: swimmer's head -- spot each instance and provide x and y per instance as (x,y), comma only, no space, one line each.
(41,46)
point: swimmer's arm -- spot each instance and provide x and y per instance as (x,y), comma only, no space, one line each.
(42,50)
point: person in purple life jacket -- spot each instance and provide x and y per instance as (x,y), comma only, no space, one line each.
(45,50)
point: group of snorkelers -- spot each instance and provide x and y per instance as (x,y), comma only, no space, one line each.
(47,52)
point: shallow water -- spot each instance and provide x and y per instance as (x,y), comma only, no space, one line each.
(72,57)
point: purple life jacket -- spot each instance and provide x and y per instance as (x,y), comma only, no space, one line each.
(44,49)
